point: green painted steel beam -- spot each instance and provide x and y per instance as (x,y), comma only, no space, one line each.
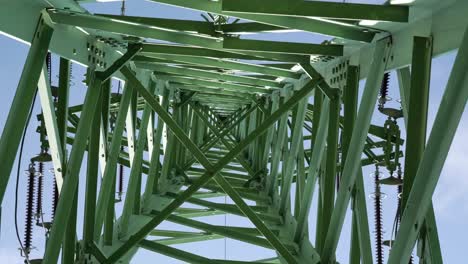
(390,13)
(330,175)
(166,212)
(226,107)
(404,84)
(270,134)
(54,135)
(152,179)
(132,51)
(92,175)
(305,24)
(176,233)
(360,236)
(289,162)
(133,190)
(185,240)
(63,98)
(330,92)
(232,209)
(220,98)
(110,25)
(438,145)
(260,76)
(108,178)
(356,147)
(192,51)
(404,79)
(314,168)
(247,211)
(417,112)
(250,27)
(70,184)
(417,124)
(350,103)
(173,252)
(276,154)
(208,75)
(224,132)
(262,52)
(220,85)
(202,114)
(434,156)
(103,152)
(221,230)
(224,64)
(315,116)
(174,24)
(186,256)
(16,121)
(282,47)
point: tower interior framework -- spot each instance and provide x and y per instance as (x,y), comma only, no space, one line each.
(184,121)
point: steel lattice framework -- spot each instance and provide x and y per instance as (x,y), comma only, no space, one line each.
(205,113)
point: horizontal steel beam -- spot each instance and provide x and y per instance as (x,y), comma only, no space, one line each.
(172,49)
(282,47)
(309,25)
(209,75)
(391,13)
(111,25)
(222,64)
(214,84)
(174,24)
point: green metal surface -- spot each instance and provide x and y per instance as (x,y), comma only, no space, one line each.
(17,117)
(207,112)
(319,9)
(438,144)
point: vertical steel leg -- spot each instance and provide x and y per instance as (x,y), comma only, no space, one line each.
(292,155)
(318,150)
(404,83)
(107,189)
(92,172)
(73,169)
(422,58)
(152,179)
(360,237)
(329,181)
(17,117)
(358,139)
(53,134)
(69,240)
(276,154)
(318,102)
(135,172)
(433,158)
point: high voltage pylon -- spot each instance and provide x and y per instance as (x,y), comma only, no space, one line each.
(275,126)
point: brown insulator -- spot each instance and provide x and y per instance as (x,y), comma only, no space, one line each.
(384,90)
(28,225)
(55,196)
(399,209)
(378,219)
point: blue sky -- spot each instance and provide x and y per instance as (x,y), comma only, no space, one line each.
(450,198)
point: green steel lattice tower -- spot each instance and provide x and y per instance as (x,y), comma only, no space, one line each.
(204,112)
